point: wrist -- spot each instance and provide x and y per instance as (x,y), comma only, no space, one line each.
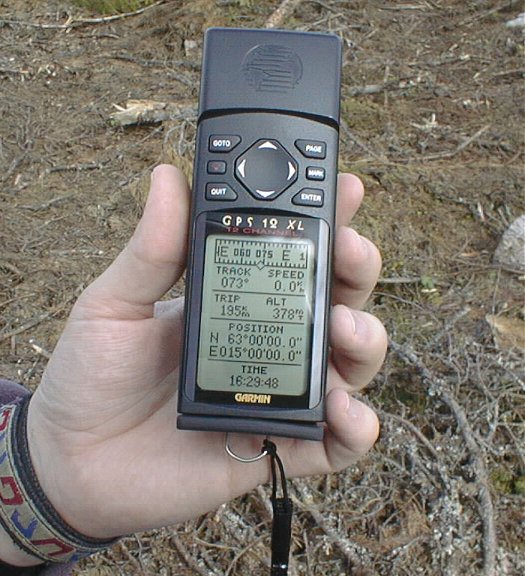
(26,513)
(66,477)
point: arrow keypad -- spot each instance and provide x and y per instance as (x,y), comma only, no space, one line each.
(266,169)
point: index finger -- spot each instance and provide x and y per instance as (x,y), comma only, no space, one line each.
(350,194)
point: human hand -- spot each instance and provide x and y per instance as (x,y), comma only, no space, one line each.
(102,423)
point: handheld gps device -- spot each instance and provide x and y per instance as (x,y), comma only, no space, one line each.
(261,234)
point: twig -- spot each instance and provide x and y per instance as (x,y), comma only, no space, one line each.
(516,72)
(188,558)
(13,71)
(26,326)
(39,350)
(406,7)
(477,17)
(486,508)
(75,167)
(72,23)
(154,63)
(458,149)
(265,500)
(48,204)
(354,138)
(285,9)
(241,553)
(424,440)
(415,430)
(34,322)
(352,551)
(137,564)
(400,280)
(399,84)
(10,268)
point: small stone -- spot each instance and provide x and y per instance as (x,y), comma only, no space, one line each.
(510,253)
(518,22)
(190,48)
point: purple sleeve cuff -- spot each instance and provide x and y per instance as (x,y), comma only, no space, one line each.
(57,570)
(10,392)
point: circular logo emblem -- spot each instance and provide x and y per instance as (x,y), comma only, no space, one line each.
(272,68)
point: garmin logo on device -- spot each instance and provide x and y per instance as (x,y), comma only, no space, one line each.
(253,398)
(272,68)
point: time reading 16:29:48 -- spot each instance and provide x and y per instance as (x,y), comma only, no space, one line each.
(248,381)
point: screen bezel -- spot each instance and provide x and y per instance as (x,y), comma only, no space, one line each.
(314,229)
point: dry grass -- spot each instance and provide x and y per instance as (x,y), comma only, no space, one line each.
(112,6)
(433,113)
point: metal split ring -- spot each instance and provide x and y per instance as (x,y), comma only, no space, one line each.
(243,459)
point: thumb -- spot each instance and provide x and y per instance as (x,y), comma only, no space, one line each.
(353,428)
(154,258)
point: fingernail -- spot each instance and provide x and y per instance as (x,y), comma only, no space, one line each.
(360,241)
(153,174)
(354,409)
(351,320)
(347,402)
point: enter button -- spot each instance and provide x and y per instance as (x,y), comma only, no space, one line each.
(309,197)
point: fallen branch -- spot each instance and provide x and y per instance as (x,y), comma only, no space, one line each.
(149,112)
(283,11)
(440,388)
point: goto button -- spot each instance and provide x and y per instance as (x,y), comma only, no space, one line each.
(223,142)
(311,148)
(220,192)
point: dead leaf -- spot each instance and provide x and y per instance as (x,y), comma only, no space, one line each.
(509,333)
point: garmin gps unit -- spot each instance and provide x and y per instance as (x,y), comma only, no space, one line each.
(261,233)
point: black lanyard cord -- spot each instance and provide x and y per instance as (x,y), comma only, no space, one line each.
(282,514)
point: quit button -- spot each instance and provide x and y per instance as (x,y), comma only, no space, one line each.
(220,192)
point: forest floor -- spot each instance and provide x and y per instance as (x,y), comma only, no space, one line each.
(432,121)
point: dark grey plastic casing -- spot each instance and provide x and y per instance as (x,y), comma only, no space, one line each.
(283,86)
(232,69)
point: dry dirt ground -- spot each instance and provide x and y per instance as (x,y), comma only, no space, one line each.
(433,123)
